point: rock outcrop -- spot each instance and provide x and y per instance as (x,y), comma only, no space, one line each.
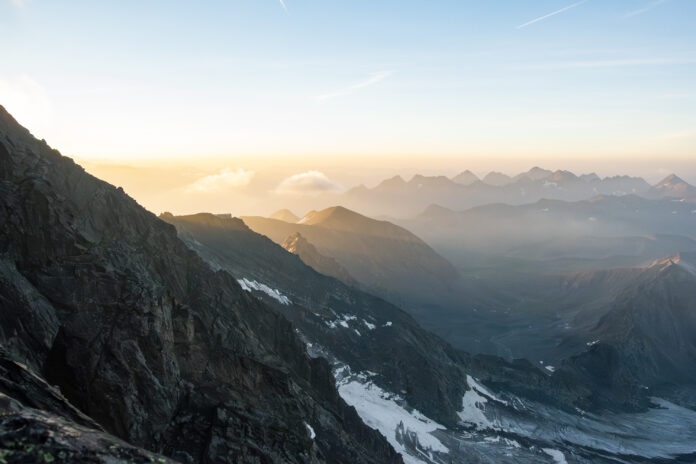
(309,255)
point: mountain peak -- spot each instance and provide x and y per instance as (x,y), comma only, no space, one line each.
(420,180)
(332,214)
(465,178)
(537,173)
(683,260)
(674,186)
(393,182)
(285,215)
(672,179)
(497,179)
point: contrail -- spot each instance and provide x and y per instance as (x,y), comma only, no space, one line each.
(554,13)
(644,9)
(373,79)
(282,3)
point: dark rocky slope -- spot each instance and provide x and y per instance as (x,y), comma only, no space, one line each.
(102,299)
(37,424)
(357,328)
(646,340)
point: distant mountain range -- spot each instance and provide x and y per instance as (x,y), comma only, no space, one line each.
(396,197)
(558,229)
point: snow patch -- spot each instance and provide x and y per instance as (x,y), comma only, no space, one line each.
(250,285)
(368,325)
(388,324)
(558,457)
(592,343)
(385,412)
(342,321)
(312,435)
(550,368)
(473,405)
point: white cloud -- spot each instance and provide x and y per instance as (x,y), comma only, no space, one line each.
(372,80)
(282,3)
(307,183)
(553,13)
(19,3)
(225,180)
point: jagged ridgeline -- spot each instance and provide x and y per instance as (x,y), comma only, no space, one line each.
(143,340)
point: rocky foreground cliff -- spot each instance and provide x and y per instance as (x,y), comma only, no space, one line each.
(113,331)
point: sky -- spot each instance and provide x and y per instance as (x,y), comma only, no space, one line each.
(258,83)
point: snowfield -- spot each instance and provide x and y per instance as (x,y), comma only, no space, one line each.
(251,285)
(385,412)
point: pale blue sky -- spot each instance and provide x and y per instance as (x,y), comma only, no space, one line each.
(599,78)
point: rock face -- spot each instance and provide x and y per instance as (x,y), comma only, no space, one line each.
(355,328)
(646,341)
(103,300)
(37,424)
(309,255)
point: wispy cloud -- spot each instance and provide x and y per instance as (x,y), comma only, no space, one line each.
(222,182)
(372,80)
(282,3)
(614,63)
(553,13)
(307,183)
(646,8)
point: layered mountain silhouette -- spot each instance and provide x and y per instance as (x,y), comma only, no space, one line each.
(399,198)
(381,256)
(558,229)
